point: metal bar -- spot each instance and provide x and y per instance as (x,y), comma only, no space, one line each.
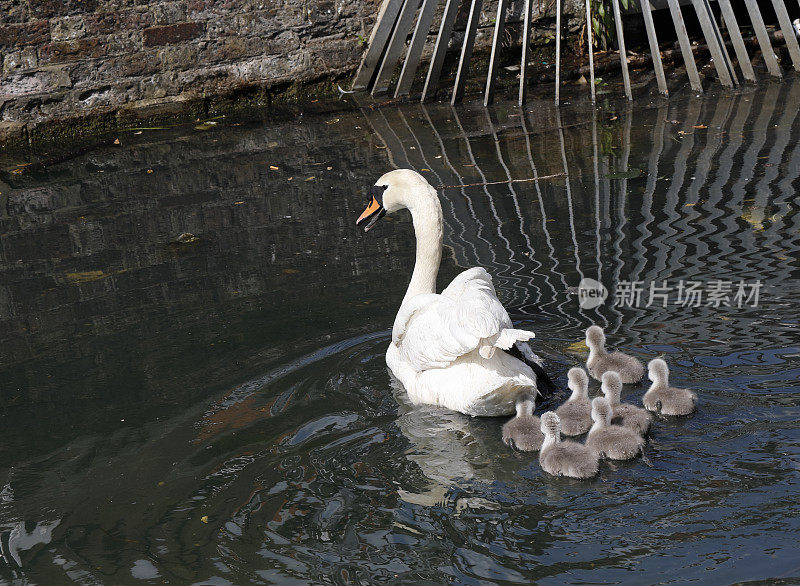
(396,46)
(494,59)
(523,66)
(721,42)
(738,41)
(788,32)
(440,49)
(591,48)
(763,38)
(466,51)
(713,45)
(623,55)
(654,50)
(415,49)
(558,50)
(377,42)
(686,49)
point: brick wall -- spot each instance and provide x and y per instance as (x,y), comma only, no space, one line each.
(62,58)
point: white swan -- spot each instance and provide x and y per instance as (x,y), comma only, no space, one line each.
(444,347)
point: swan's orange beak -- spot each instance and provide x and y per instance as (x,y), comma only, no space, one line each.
(374,211)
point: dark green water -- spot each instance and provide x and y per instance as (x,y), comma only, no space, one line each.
(220,412)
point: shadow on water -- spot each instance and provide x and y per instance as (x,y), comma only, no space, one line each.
(219,410)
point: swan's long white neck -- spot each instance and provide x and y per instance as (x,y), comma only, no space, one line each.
(426,213)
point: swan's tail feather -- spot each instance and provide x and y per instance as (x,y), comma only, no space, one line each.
(509,336)
(529,354)
(544,384)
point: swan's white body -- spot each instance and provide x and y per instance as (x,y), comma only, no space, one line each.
(444,346)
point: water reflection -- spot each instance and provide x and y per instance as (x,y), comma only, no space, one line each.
(220,411)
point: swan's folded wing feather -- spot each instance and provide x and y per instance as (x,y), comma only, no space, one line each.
(469,278)
(407,311)
(467,316)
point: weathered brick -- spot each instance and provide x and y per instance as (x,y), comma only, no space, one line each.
(71,50)
(123,43)
(179,57)
(267,21)
(174,33)
(67,28)
(135,64)
(168,12)
(51,8)
(20,35)
(102,23)
(215,5)
(14,11)
(20,60)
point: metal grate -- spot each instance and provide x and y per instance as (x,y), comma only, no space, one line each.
(396,18)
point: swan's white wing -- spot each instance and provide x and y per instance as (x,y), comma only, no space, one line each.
(465,317)
(469,278)
(407,310)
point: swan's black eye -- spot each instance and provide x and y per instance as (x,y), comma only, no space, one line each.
(376,191)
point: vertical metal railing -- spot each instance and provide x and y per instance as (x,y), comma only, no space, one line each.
(397,18)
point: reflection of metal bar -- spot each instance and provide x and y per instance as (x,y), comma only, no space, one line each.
(718,52)
(673,205)
(396,46)
(551,250)
(657,146)
(466,240)
(686,49)
(780,148)
(526,41)
(415,49)
(466,51)
(596,170)
(622,217)
(623,55)
(440,49)
(788,32)
(558,49)
(737,40)
(763,38)
(654,50)
(475,165)
(590,42)
(511,255)
(531,254)
(494,59)
(570,209)
(377,42)
(373,118)
(747,165)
